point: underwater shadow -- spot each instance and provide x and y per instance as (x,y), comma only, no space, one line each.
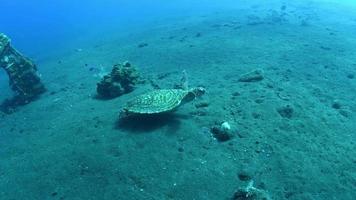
(101,98)
(149,123)
(10,105)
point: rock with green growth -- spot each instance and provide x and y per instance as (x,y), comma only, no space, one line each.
(121,80)
(24,78)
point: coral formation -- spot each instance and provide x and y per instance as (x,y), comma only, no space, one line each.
(121,80)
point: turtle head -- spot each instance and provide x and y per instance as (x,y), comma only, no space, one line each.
(198,91)
(194,93)
(124,113)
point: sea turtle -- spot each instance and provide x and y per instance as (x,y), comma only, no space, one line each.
(160,101)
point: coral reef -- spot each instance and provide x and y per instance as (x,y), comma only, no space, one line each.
(121,80)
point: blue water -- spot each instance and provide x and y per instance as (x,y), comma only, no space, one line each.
(290,130)
(46,24)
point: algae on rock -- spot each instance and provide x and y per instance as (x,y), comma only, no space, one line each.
(24,78)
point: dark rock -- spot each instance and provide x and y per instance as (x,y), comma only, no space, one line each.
(220,133)
(251,193)
(244,176)
(304,22)
(254,76)
(259,101)
(351,76)
(286,111)
(199,113)
(202,104)
(256,115)
(154,84)
(345,113)
(142,45)
(336,105)
(253,20)
(235,94)
(2,114)
(325,48)
(216,26)
(180,149)
(243,195)
(162,76)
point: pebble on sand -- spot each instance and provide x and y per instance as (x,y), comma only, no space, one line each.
(141,45)
(286,111)
(202,104)
(253,76)
(336,104)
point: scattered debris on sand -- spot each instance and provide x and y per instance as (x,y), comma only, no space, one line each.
(350,76)
(250,192)
(253,76)
(286,111)
(222,131)
(336,104)
(141,45)
(244,176)
(202,104)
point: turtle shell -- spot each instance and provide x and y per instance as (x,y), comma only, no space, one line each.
(157,101)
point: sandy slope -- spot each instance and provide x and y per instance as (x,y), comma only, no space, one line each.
(69,145)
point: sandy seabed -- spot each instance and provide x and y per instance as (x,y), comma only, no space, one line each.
(293,131)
